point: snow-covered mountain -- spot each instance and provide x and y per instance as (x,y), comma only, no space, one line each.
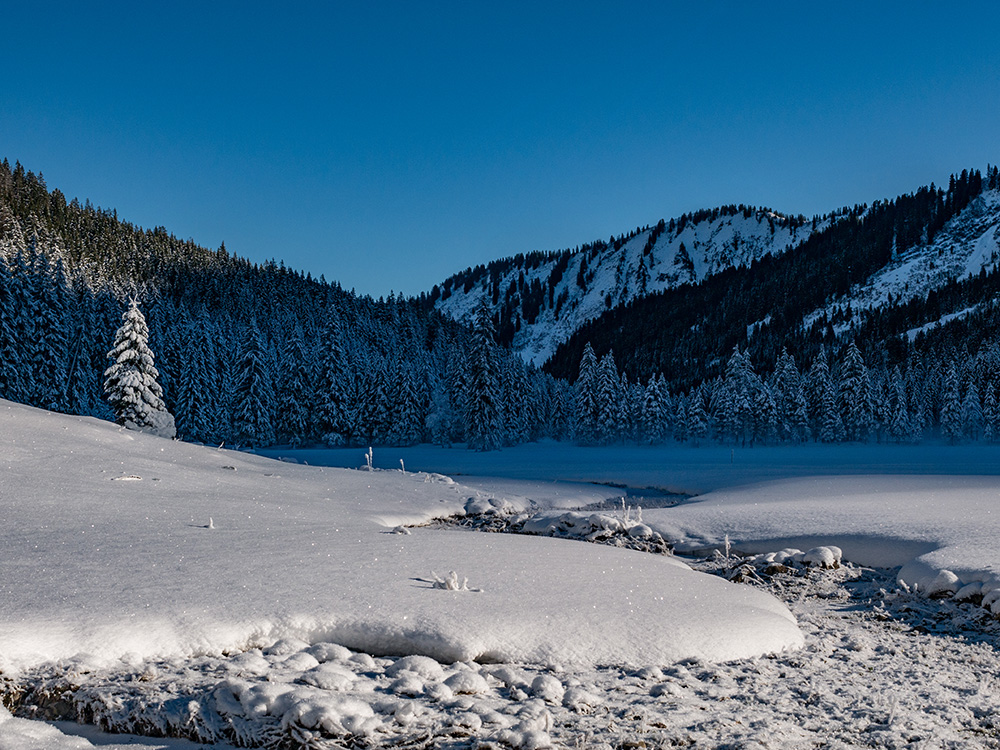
(967,245)
(544,298)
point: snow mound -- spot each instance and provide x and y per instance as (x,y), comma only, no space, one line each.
(938,529)
(128,568)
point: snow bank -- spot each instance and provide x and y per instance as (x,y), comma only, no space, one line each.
(941,530)
(24,734)
(206,551)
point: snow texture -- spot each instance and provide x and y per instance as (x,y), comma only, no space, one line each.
(225,598)
(938,529)
(133,569)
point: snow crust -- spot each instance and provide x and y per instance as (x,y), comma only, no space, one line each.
(930,509)
(210,551)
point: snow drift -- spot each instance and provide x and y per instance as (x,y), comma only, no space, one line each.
(207,551)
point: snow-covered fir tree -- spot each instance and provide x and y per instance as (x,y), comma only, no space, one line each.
(653,412)
(609,400)
(333,417)
(254,413)
(293,420)
(130,383)
(900,427)
(854,396)
(407,418)
(991,414)
(587,422)
(483,421)
(697,417)
(951,406)
(826,424)
(790,400)
(972,413)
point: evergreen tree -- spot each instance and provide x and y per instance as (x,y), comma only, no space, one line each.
(407,418)
(972,413)
(372,421)
(827,425)
(991,414)
(482,414)
(765,414)
(254,412)
(10,361)
(681,419)
(197,415)
(653,423)
(292,421)
(900,427)
(587,399)
(951,407)
(790,400)
(333,384)
(741,398)
(609,400)
(441,417)
(854,397)
(697,417)
(83,380)
(130,383)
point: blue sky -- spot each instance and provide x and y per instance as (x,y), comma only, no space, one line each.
(388,145)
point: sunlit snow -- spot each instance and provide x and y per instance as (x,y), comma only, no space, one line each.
(131,568)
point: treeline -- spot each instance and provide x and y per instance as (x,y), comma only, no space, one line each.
(248,354)
(954,396)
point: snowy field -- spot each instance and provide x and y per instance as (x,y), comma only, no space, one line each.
(160,588)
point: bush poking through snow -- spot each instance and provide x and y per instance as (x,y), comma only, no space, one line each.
(451,582)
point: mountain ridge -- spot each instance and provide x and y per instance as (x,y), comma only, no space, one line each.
(880,261)
(541,299)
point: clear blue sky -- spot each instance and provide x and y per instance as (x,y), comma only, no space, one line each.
(388,145)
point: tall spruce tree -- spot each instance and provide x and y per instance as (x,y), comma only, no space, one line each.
(587,426)
(254,407)
(854,397)
(130,383)
(972,413)
(333,384)
(951,406)
(482,406)
(609,400)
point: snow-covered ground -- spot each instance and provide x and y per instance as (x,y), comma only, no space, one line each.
(162,588)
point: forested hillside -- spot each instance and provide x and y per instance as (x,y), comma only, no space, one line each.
(248,354)
(541,299)
(872,323)
(802,298)
(884,325)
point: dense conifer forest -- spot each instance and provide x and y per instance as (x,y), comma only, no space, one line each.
(258,354)
(247,354)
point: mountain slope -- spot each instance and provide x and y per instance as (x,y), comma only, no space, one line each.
(965,246)
(919,248)
(542,299)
